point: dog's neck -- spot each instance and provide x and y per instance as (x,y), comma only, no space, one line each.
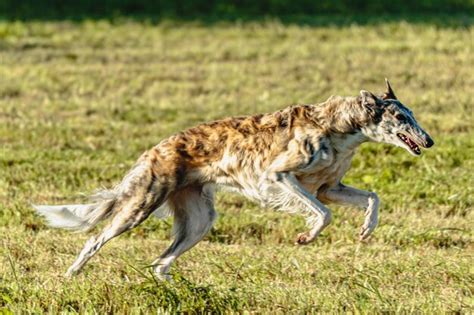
(343,119)
(347,143)
(343,115)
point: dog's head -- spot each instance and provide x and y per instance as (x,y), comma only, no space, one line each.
(393,123)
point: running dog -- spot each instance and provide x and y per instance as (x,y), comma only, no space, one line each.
(293,160)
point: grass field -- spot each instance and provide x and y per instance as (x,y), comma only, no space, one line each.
(79,102)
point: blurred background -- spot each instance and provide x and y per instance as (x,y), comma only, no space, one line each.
(226,10)
(87,86)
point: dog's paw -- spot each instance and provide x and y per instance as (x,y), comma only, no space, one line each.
(303,239)
(70,273)
(369,226)
(164,277)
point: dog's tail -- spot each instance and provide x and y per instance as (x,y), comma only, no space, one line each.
(135,187)
(80,217)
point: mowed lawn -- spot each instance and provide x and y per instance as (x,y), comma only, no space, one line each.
(80,101)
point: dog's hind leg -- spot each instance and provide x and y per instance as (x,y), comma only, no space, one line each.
(194,215)
(130,212)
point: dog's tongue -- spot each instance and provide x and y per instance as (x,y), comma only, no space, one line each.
(412,144)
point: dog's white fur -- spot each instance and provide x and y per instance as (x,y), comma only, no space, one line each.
(292,160)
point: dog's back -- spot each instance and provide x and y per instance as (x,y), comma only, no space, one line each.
(287,160)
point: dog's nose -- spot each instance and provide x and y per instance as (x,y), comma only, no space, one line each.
(429,142)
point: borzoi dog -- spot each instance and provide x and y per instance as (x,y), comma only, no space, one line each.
(293,159)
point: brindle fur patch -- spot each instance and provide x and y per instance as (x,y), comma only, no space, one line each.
(292,159)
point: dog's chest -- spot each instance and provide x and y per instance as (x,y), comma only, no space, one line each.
(334,163)
(329,175)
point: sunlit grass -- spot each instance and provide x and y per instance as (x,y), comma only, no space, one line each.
(80,102)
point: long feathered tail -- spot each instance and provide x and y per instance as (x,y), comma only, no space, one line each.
(83,217)
(80,217)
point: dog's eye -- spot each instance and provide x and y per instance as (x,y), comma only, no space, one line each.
(400,117)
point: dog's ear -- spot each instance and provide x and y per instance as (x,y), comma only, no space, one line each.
(389,94)
(368,99)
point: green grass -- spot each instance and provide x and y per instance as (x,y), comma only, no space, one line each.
(79,102)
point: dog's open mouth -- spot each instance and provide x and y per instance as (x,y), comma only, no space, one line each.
(410,143)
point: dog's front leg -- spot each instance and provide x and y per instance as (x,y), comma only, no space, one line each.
(299,155)
(320,215)
(352,196)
